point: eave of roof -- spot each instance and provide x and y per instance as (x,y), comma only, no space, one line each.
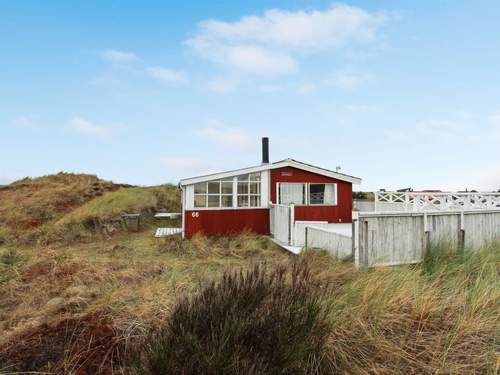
(278,164)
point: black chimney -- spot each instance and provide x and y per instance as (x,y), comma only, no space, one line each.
(265,150)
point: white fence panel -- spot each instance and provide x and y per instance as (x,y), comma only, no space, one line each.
(300,230)
(280,219)
(435,201)
(338,245)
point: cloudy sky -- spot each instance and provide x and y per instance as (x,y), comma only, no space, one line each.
(146,92)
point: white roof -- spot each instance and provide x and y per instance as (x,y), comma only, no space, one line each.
(278,164)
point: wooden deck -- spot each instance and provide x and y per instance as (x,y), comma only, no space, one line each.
(165,232)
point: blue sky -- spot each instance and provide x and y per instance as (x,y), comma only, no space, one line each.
(398,93)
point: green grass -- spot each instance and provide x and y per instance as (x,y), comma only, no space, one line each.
(131,200)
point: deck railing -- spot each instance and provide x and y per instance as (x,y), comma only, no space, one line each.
(428,202)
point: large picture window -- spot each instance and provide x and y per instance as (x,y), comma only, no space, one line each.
(243,190)
(214,194)
(307,194)
(249,190)
(292,193)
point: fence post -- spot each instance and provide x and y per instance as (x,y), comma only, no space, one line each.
(291,228)
(427,237)
(306,230)
(461,233)
(363,242)
(355,220)
(375,196)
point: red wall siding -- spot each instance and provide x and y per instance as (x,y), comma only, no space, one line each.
(333,214)
(226,222)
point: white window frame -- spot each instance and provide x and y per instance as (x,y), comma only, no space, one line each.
(207,194)
(307,191)
(234,194)
(278,191)
(249,194)
(321,204)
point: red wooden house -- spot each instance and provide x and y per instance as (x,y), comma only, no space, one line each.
(234,201)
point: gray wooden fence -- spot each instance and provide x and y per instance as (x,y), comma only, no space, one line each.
(400,238)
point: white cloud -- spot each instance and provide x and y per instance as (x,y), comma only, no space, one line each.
(254,59)
(168,76)
(222,85)
(25,122)
(348,81)
(87,127)
(227,136)
(119,56)
(266,44)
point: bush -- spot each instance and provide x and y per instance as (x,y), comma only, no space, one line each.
(248,322)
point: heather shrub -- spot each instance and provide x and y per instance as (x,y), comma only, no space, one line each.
(253,322)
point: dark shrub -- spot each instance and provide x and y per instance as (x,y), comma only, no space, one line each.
(251,322)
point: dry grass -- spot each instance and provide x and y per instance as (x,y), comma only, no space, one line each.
(411,320)
(438,317)
(131,281)
(66,208)
(29,203)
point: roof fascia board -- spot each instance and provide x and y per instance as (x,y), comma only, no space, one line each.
(218,176)
(259,168)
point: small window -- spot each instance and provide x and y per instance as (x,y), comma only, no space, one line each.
(322,194)
(214,187)
(226,201)
(227,187)
(213,200)
(200,188)
(200,201)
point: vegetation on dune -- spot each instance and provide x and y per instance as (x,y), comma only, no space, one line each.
(438,317)
(253,322)
(29,203)
(67,207)
(76,304)
(127,283)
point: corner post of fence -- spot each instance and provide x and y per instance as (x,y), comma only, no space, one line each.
(292,225)
(355,238)
(376,201)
